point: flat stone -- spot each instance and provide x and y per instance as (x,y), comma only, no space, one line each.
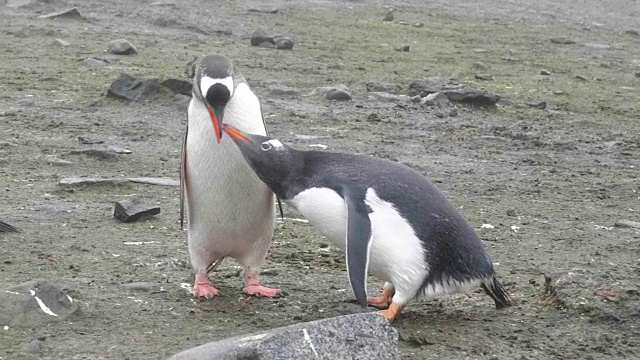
(34,304)
(163,3)
(260,36)
(5,227)
(34,347)
(538,104)
(632,32)
(94,63)
(60,42)
(390,88)
(122,47)
(263,10)
(56,161)
(283,42)
(119,150)
(628,224)
(102,154)
(437,99)
(384,96)
(485,77)
(134,210)
(7,144)
(404,48)
(178,85)
(72,13)
(130,88)
(359,336)
(81,181)
(562,40)
(155,181)
(89,140)
(140,286)
(282,90)
(597,46)
(545,72)
(338,94)
(454,91)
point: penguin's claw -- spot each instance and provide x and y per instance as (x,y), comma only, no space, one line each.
(383,301)
(203,287)
(259,290)
(391,313)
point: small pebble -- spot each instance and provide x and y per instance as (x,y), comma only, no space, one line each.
(338,94)
(545,72)
(122,47)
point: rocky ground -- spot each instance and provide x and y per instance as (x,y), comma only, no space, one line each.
(548,176)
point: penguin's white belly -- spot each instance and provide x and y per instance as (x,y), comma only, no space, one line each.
(231,212)
(396,254)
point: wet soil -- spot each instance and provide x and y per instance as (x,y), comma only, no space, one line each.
(551,182)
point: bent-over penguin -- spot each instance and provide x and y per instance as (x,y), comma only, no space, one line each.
(230,211)
(388,218)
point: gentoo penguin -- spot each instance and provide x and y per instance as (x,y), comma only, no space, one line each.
(230,211)
(397,224)
(4,227)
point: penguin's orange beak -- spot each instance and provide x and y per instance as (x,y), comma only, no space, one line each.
(216,123)
(235,133)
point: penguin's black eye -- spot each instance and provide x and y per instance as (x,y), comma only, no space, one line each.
(265,146)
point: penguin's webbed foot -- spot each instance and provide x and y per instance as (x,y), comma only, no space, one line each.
(203,287)
(252,285)
(391,313)
(383,301)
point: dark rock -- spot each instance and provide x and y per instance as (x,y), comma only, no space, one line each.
(538,104)
(260,36)
(373,117)
(338,94)
(511,212)
(283,42)
(360,336)
(404,48)
(56,161)
(545,72)
(383,87)
(632,32)
(388,16)
(485,77)
(281,90)
(264,11)
(34,347)
(122,47)
(453,112)
(437,99)
(453,90)
(638,74)
(130,88)
(178,85)
(133,210)
(94,63)
(34,304)
(562,40)
(60,42)
(89,140)
(628,224)
(72,13)
(4,227)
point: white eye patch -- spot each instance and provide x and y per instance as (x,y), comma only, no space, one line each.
(207,82)
(273,143)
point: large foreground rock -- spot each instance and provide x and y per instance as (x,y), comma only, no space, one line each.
(33,304)
(453,90)
(365,336)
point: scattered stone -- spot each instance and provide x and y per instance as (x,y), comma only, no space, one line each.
(389,16)
(538,104)
(383,87)
(281,90)
(562,40)
(628,224)
(133,210)
(4,227)
(122,47)
(34,304)
(260,36)
(140,286)
(155,181)
(485,77)
(437,99)
(28,103)
(101,154)
(56,161)
(89,140)
(264,11)
(83,181)
(359,336)
(130,88)
(632,32)
(7,144)
(373,117)
(164,3)
(119,150)
(72,13)
(178,85)
(283,42)
(453,112)
(338,94)
(545,72)
(404,48)
(559,92)
(416,99)
(453,90)
(598,46)
(385,96)
(511,212)
(34,347)
(580,77)
(638,74)
(94,62)
(60,42)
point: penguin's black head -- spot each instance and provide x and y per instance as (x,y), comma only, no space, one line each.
(214,86)
(270,159)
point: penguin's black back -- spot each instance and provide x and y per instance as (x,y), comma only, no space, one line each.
(452,249)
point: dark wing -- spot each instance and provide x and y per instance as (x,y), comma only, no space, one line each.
(358,242)
(4,227)
(183,176)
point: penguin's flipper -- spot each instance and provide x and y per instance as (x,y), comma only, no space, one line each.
(183,177)
(358,243)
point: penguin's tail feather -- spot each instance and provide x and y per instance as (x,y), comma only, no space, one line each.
(498,293)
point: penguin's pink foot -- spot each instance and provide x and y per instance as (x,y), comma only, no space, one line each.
(383,301)
(252,285)
(203,287)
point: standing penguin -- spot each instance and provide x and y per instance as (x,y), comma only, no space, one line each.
(398,225)
(230,211)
